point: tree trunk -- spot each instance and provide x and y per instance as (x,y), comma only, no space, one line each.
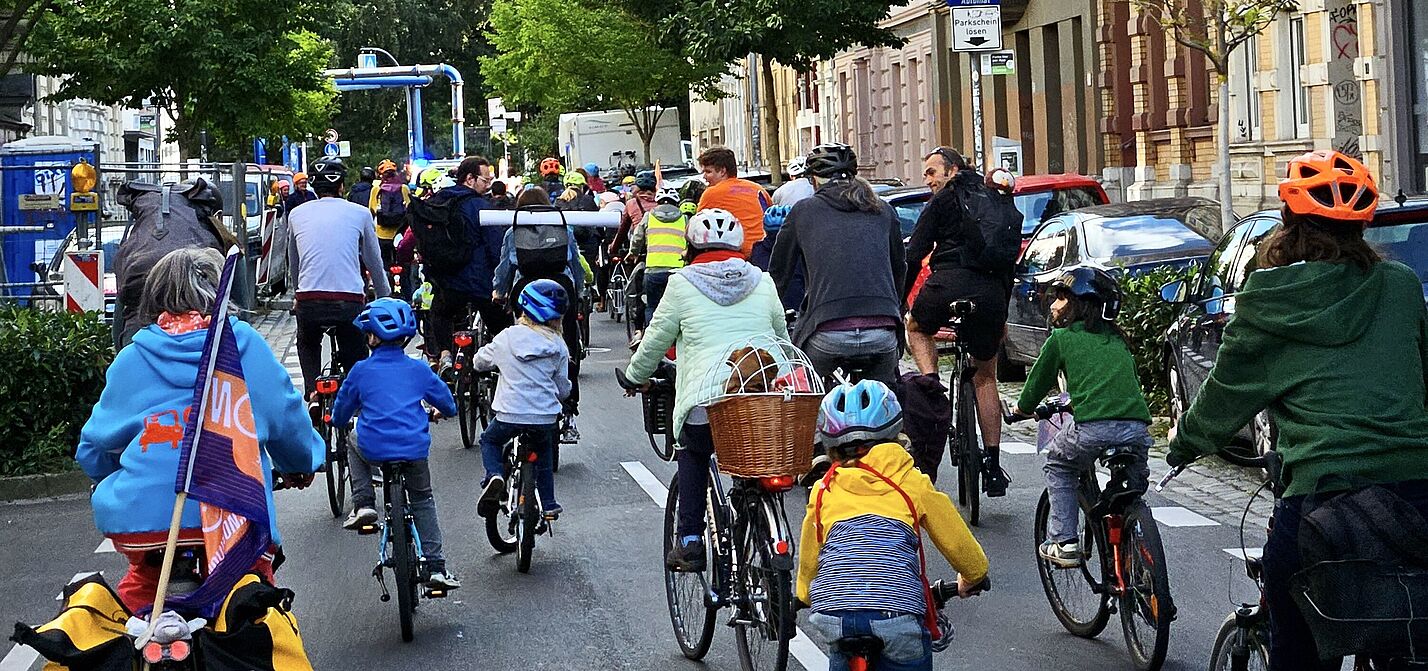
(1227,215)
(773,153)
(645,125)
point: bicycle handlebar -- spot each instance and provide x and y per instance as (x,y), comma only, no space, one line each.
(1043,412)
(626,384)
(942,591)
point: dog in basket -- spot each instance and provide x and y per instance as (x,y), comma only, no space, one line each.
(754,370)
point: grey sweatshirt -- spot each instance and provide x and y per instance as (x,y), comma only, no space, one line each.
(333,241)
(534,374)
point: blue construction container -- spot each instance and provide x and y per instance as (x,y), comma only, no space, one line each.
(35,187)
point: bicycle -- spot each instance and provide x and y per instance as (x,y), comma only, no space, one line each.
(474,390)
(964,445)
(657,403)
(518,519)
(615,293)
(399,548)
(863,650)
(1119,536)
(635,301)
(334,439)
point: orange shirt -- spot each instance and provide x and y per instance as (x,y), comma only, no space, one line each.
(743,199)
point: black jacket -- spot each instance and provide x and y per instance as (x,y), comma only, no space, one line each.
(853,260)
(361,193)
(943,229)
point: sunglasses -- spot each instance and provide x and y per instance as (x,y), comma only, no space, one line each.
(951,155)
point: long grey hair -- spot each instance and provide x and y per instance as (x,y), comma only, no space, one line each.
(185,280)
(859,193)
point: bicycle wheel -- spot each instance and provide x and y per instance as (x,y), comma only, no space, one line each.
(969,467)
(403,554)
(1147,608)
(1240,649)
(1072,592)
(527,518)
(691,610)
(336,482)
(485,391)
(501,525)
(768,591)
(467,410)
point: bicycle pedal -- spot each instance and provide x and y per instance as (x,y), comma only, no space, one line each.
(368,529)
(432,593)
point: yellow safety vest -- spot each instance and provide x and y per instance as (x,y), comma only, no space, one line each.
(664,242)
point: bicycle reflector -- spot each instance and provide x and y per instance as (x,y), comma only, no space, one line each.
(395,270)
(178,651)
(781,483)
(327,385)
(463,339)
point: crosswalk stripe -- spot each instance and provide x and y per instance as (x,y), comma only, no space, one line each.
(1242,553)
(1018,447)
(1176,516)
(802,648)
(20,658)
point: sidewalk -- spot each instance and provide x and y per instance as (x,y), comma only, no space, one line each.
(280,330)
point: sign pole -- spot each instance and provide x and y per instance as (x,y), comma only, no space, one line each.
(977,148)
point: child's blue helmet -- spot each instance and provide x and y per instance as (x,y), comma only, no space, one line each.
(388,319)
(854,413)
(543,300)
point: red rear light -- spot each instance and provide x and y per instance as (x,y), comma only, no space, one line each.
(178,651)
(327,385)
(780,483)
(327,419)
(781,547)
(395,270)
(463,339)
(153,652)
(531,458)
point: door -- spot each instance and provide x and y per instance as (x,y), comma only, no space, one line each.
(1045,255)
(1227,271)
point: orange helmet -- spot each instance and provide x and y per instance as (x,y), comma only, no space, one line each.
(385,166)
(550,166)
(1329,185)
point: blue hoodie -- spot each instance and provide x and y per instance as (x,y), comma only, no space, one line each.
(388,387)
(130,445)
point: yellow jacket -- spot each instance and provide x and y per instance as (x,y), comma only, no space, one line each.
(854,491)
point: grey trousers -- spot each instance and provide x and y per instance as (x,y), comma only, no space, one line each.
(1074,452)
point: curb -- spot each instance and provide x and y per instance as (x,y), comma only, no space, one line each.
(27,487)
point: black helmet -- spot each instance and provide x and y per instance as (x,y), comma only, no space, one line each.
(1092,285)
(327,174)
(368,174)
(831,161)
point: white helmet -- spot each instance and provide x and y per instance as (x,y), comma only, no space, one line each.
(798,166)
(667,194)
(715,229)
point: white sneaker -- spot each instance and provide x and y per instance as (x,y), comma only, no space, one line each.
(359,518)
(443,580)
(1064,555)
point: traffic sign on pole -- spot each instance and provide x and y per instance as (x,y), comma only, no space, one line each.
(330,135)
(977,28)
(331,150)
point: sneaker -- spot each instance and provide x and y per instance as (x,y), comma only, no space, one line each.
(443,580)
(821,464)
(994,478)
(492,493)
(570,434)
(687,558)
(444,369)
(314,412)
(1066,554)
(635,341)
(360,517)
(551,511)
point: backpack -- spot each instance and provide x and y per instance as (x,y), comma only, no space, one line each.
(998,225)
(542,250)
(441,235)
(392,206)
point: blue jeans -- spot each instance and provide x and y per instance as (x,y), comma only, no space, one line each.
(423,508)
(906,644)
(656,281)
(1074,453)
(493,443)
(874,351)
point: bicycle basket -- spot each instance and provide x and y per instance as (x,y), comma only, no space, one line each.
(762,400)
(1364,607)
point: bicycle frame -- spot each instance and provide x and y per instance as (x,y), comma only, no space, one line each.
(1107,510)
(730,531)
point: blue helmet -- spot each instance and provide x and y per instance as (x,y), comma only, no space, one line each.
(388,319)
(543,300)
(773,218)
(593,169)
(852,413)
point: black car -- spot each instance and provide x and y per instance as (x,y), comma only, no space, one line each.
(1206,301)
(1128,238)
(908,202)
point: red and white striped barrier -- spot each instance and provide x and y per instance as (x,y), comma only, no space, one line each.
(83,271)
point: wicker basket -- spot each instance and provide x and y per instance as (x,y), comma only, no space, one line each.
(764,435)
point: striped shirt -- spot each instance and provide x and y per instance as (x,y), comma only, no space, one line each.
(869,562)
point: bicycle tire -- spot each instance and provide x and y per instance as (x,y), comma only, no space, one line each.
(403,555)
(528,520)
(1231,653)
(467,413)
(691,612)
(665,453)
(485,390)
(336,497)
(1146,608)
(776,624)
(969,470)
(954,440)
(1076,618)
(501,525)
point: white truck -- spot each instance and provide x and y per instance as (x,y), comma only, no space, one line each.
(609,139)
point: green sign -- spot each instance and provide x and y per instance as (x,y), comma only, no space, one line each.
(999,63)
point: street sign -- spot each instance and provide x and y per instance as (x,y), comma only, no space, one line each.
(344,148)
(40,201)
(82,292)
(498,125)
(999,63)
(495,108)
(330,136)
(972,3)
(331,150)
(977,28)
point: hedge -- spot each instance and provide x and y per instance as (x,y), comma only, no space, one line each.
(52,367)
(1145,318)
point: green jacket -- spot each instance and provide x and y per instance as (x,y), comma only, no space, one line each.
(1338,356)
(1100,376)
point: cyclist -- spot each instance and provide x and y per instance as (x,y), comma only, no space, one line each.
(660,239)
(1333,340)
(799,186)
(550,171)
(716,302)
(332,242)
(390,387)
(592,174)
(860,562)
(361,192)
(301,193)
(951,237)
(1092,353)
(727,191)
(535,378)
(639,204)
(578,197)
(130,444)
(388,203)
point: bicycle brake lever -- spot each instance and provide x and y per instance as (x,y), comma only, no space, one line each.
(1160,486)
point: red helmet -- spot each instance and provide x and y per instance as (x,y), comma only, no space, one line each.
(549,166)
(1330,185)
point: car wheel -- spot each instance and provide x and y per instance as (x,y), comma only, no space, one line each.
(1263,433)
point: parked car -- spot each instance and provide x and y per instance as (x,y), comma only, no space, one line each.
(1127,238)
(1038,197)
(1206,301)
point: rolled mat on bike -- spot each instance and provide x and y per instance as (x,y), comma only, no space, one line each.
(255,631)
(544,217)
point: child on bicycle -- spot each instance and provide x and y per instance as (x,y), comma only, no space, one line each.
(861,567)
(1088,347)
(534,364)
(389,387)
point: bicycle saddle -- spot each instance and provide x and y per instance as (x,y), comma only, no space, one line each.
(859,645)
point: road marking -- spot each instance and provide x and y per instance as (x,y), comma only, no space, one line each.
(20,658)
(1176,516)
(77,577)
(1243,553)
(802,648)
(106,546)
(1018,447)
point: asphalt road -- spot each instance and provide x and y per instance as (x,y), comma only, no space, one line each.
(595,596)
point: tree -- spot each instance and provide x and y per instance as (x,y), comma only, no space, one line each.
(1216,28)
(796,33)
(567,55)
(236,69)
(16,25)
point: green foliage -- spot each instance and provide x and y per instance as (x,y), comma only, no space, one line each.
(52,368)
(1144,318)
(238,69)
(1215,27)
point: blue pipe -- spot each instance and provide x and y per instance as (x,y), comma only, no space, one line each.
(368,83)
(419,131)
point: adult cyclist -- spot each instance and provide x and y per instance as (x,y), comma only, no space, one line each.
(1333,340)
(799,186)
(332,243)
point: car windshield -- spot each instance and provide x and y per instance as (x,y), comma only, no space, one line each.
(907,214)
(1042,205)
(1143,236)
(1406,243)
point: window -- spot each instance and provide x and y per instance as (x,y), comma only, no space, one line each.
(1042,205)
(1047,251)
(1297,60)
(1248,123)
(1217,270)
(1141,236)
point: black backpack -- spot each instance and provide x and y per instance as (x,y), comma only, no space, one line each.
(542,250)
(441,235)
(997,223)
